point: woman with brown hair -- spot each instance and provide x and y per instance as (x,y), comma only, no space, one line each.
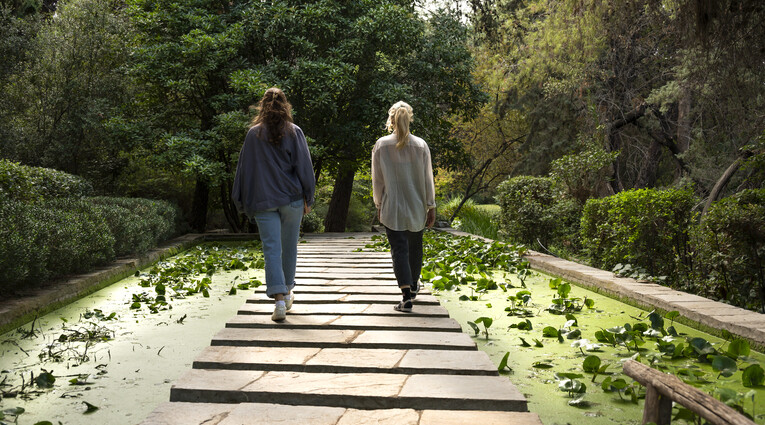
(405,197)
(274,186)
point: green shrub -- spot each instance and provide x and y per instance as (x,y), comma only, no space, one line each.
(24,183)
(730,247)
(312,223)
(50,239)
(137,224)
(446,208)
(647,228)
(535,210)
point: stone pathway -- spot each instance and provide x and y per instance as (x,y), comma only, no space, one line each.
(343,356)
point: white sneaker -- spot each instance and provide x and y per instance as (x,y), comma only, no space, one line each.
(280,313)
(288,301)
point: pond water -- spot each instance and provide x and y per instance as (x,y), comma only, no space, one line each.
(540,384)
(130,374)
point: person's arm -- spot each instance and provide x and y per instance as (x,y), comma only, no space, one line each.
(304,169)
(378,182)
(236,190)
(430,190)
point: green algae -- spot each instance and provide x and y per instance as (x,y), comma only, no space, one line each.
(128,373)
(540,385)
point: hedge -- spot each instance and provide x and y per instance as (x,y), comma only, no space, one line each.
(647,228)
(23,183)
(730,247)
(50,226)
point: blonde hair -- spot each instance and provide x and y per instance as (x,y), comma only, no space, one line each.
(399,117)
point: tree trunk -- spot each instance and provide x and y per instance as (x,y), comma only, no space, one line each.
(199,206)
(337,214)
(647,176)
(717,190)
(229,209)
(683,126)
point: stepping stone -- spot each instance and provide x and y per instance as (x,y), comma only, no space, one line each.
(342,338)
(306,298)
(400,322)
(346,309)
(330,288)
(346,360)
(267,414)
(352,390)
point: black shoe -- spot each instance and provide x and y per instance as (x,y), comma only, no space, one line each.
(404,306)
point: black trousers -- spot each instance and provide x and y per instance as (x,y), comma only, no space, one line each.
(406,252)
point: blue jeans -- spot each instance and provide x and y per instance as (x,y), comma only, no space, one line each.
(279,230)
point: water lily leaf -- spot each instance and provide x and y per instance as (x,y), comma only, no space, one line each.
(725,365)
(753,376)
(45,379)
(90,408)
(702,346)
(538,343)
(503,363)
(475,327)
(524,343)
(738,347)
(571,318)
(574,334)
(542,365)
(657,322)
(487,321)
(549,332)
(591,364)
(579,402)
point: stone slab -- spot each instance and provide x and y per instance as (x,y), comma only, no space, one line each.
(354,390)
(335,274)
(180,413)
(346,360)
(254,358)
(334,338)
(367,322)
(331,288)
(342,298)
(457,417)
(346,309)
(415,340)
(450,391)
(340,270)
(244,413)
(458,362)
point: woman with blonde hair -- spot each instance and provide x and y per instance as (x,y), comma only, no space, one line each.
(274,186)
(405,197)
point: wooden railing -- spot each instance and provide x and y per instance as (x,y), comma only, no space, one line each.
(662,389)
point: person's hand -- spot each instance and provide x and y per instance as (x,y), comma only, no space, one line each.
(306,208)
(431,218)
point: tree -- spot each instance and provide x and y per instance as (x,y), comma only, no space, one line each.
(60,99)
(196,80)
(343,64)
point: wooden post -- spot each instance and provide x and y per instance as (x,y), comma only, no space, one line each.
(658,408)
(663,389)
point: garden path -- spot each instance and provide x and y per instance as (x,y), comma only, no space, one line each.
(343,356)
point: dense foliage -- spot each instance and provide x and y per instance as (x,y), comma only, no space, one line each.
(535,211)
(645,228)
(730,249)
(49,227)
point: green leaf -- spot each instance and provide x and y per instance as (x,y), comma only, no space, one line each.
(657,322)
(538,343)
(738,347)
(725,365)
(542,365)
(475,327)
(524,343)
(45,379)
(91,408)
(753,376)
(487,321)
(503,363)
(591,364)
(232,291)
(549,332)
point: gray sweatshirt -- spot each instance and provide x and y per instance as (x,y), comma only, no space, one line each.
(270,176)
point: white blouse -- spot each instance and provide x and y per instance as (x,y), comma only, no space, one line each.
(402,183)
